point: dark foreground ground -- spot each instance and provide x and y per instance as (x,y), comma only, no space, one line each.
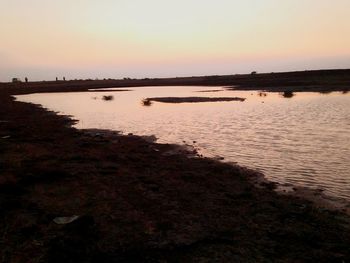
(138,202)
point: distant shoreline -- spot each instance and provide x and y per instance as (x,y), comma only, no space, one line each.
(299,81)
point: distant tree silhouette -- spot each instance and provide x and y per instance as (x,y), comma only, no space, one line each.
(64,78)
(56,79)
(26,79)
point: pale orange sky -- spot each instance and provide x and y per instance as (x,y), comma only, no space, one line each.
(43,39)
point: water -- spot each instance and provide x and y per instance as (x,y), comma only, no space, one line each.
(304,140)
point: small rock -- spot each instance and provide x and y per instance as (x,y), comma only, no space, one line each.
(65,220)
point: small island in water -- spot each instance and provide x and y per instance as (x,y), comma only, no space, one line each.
(191,99)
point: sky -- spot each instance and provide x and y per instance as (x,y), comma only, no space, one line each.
(44,39)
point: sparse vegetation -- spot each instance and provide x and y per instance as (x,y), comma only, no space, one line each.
(108,97)
(262,94)
(288,94)
(146,102)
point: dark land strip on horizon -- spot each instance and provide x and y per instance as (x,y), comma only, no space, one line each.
(299,81)
(139,201)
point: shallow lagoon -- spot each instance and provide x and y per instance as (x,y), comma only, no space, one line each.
(303,140)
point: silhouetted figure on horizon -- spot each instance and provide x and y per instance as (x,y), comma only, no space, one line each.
(64,78)
(56,79)
(26,79)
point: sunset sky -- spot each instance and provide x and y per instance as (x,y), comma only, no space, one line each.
(42,39)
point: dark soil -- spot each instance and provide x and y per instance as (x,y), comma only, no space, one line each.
(316,80)
(139,203)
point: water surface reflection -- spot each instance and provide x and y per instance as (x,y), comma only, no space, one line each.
(303,139)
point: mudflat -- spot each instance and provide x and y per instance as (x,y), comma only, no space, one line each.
(92,196)
(192,99)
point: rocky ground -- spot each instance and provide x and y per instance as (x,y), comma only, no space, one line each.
(89,196)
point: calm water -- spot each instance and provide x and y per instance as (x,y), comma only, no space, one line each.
(304,140)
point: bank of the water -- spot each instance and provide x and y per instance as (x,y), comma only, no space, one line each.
(133,201)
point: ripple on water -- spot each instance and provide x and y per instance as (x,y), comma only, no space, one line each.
(304,140)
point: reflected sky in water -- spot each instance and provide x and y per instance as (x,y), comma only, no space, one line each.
(303,140)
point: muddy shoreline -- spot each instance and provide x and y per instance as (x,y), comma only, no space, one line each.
(139,201)
(191,99)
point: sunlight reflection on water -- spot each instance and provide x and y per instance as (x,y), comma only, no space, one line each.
(303,140)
